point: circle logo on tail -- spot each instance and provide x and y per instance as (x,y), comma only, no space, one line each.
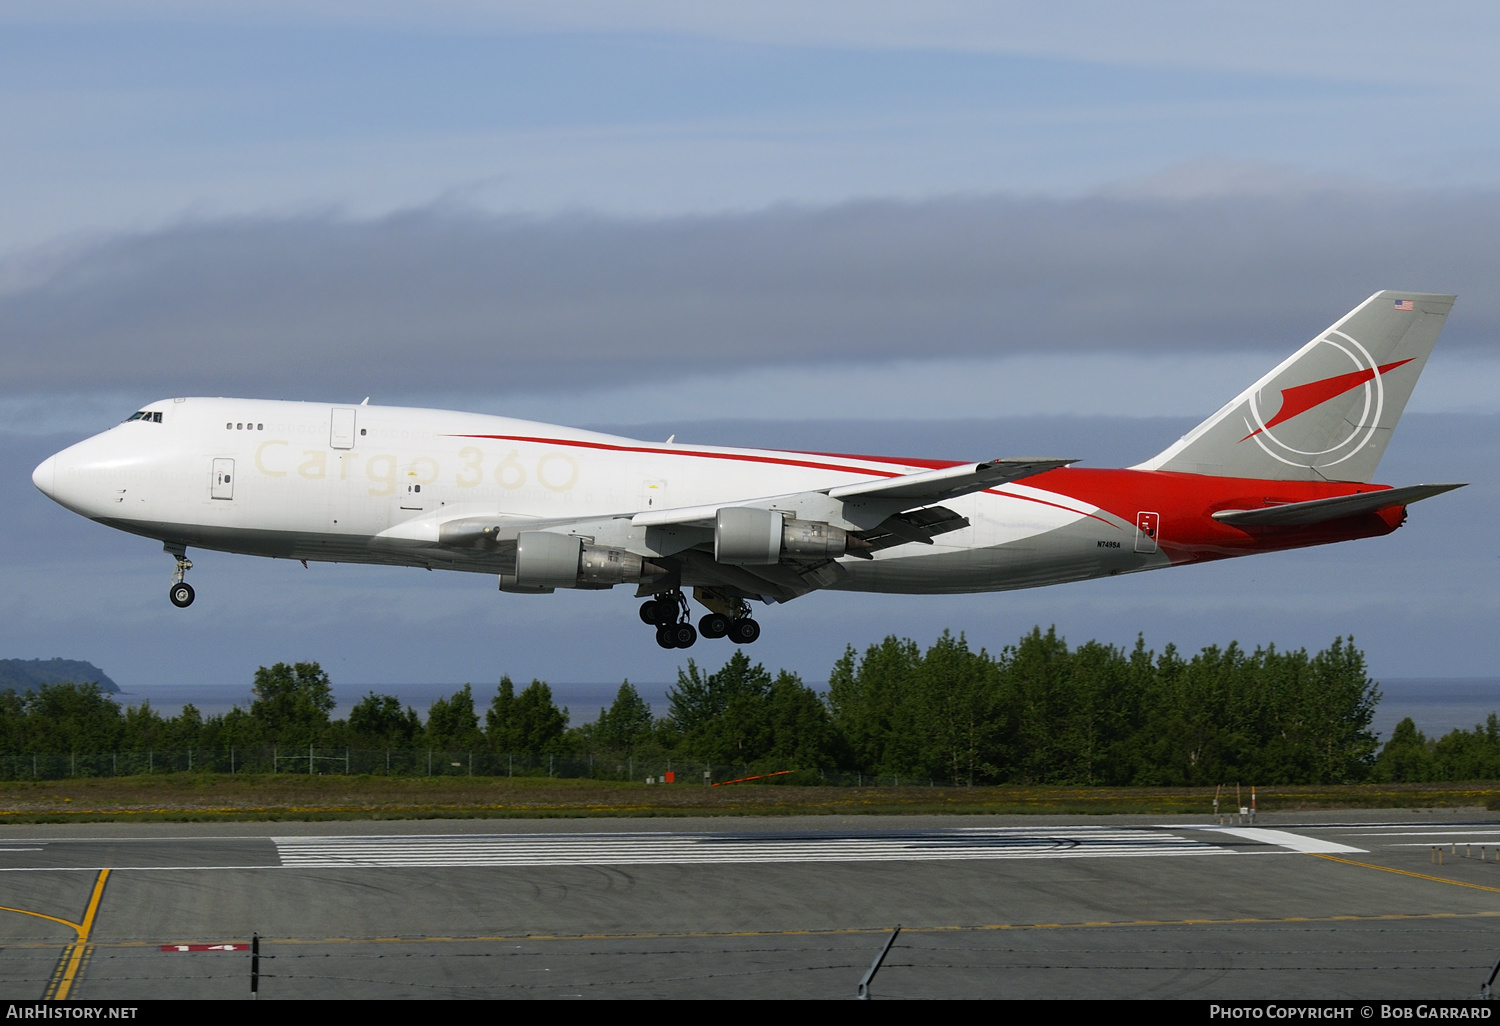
(1299,399)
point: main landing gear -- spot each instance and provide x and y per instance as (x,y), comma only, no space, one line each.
(181,592)
(669,612)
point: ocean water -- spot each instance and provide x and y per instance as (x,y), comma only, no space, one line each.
(1436,704)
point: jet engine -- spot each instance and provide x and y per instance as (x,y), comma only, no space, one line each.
(760,537)
(547,560)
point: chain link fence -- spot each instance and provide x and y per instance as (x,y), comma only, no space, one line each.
(395,762)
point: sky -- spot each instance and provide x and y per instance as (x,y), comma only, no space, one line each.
(948,229)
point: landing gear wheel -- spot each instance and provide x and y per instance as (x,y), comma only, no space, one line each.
(744,632)
(666,636)
(181,594)
(714,625)
(649,611)
(683,635)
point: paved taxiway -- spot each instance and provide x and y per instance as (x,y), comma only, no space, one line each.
(1327,905)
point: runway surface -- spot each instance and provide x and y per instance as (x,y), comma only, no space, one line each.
(1352,905)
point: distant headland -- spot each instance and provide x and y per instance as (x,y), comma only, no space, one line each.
(28,674)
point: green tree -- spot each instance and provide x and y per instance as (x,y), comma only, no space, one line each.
(625,725)
(292,703)
(501,729)
(1469,754)
(874,707)
(960,716)
(721,715)
(802,732)
(540,726)
(378,721)
(72,718)
(186,729)
(453,724)
(1407,757)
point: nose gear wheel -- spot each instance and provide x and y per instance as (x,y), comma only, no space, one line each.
(181,592)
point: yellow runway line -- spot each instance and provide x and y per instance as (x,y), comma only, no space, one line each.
(732,935)
(75,954)
(1405,872)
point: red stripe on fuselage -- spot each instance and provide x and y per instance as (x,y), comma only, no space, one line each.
(735,456)
(1184,502)
(779,461)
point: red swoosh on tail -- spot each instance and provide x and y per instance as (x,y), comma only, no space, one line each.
(1301,398)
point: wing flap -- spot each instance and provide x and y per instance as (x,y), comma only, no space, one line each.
(929,486)
(918,525)
(1316,511)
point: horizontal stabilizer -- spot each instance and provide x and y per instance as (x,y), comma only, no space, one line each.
(931,486)
(1295,514)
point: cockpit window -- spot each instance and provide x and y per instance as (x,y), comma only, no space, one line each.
(149,416)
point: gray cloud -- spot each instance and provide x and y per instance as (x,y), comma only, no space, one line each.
(453,300)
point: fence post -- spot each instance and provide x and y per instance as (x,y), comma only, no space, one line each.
(72,764)
(231,760)
(275,758)
(151,758)
(549,765)
(346,761)
(309,758)
(429,762)
(471,764)
(510,764)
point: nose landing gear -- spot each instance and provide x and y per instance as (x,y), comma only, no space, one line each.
(181,592)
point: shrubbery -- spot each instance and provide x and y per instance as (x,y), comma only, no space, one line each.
(1035,712)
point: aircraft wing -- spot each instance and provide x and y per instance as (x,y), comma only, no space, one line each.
(903,492)
(885,511)
(929,486)
(1316,511)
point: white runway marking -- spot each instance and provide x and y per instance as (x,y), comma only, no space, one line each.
(1288,840)
(692,849)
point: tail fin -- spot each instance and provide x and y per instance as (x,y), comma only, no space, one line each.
(1327,412)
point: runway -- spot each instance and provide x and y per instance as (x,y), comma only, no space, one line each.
(1326,906)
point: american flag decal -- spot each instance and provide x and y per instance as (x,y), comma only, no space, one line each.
(1405,304)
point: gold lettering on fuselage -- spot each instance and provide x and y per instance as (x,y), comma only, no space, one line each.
(315,466)
(382,470)
(471,473)
(553,471)
(260,452)
(509,473)
(551,460)
(424,469)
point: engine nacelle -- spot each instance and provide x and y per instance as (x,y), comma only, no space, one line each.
(547,560)
(761,537)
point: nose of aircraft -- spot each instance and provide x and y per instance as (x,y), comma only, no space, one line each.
(45,476)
